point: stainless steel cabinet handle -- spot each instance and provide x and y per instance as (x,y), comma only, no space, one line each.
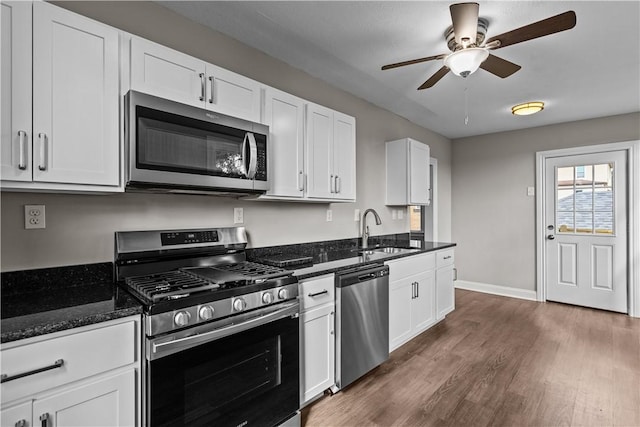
(551,237)
(211,84)
(43,151)
(202,87)
(305,184)
(337,184)
(44,419)
(417,289)
(22,163)
(331,184)
(319,293)
(21,423)
(447,257)
(300,181)
(331,333)
(413,290)
(6,378)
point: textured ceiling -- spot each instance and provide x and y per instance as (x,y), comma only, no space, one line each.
(590,71)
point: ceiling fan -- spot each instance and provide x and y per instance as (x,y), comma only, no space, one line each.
(465,40)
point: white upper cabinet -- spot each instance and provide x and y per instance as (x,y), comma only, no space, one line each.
(73,136)
(284,114)
(167,73)
(407,164)
(330,147)
(15,155)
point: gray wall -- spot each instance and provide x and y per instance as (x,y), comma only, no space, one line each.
(80,227)
(493,218)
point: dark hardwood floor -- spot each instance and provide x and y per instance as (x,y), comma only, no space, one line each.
(499,361)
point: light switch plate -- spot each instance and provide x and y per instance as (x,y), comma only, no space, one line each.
(356,215)
(400,214)
(394,214)
(329,215)
(531,191)
(238,215)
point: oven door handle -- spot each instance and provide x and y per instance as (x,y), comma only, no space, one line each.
(166,348)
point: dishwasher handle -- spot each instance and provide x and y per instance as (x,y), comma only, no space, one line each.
(361,274)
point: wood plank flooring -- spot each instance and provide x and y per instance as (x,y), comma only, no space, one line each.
(499,361)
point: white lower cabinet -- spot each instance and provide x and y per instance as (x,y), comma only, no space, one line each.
(420,294)
(317,337)
(93,378)
(445,275)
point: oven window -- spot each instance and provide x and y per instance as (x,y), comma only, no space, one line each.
(250,377)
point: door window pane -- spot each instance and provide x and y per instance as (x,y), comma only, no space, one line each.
(584,199)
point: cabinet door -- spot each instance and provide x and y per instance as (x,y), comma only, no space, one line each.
(12,416)
(423,305)
(166,73)
(75,98)
(317,359)
(319,142)
(15,142)
(284,114)
(445,293)
(233,94)
(106,402)
(400,304)
(344,156)
(418,173)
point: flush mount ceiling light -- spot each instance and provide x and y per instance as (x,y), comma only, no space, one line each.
(466,61)
(527,108)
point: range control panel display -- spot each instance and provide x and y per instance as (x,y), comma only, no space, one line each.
(183,238)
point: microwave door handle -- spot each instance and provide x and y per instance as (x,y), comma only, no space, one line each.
(252,157)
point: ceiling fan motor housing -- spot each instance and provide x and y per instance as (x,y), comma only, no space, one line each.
(450,37)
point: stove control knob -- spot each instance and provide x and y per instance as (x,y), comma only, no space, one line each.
(206,312)
(239,304)
(267,298)
(283,293)
(182,318)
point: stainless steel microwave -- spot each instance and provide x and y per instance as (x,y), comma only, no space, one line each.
(174,147)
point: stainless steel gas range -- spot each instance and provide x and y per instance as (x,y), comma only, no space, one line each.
(221,334)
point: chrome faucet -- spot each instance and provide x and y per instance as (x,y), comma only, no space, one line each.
(365,227)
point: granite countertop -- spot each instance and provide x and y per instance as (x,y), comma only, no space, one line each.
(37,302)
(42,301)
(335,255)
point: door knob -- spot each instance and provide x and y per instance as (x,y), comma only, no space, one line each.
(551,237)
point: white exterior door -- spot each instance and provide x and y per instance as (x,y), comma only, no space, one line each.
(586,230)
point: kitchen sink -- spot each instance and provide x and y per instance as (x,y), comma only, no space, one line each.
(388,250)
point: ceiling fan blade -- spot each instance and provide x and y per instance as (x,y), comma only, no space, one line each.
(555,24)
(498,66)
(413,61)
(464,17)
(435,78)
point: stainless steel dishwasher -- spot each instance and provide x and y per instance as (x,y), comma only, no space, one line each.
(362,322)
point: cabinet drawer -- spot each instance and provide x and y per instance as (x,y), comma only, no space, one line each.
(317,291)
(408,266)
(83,354)
(444,258)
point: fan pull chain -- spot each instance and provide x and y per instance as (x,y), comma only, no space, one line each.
(466,107)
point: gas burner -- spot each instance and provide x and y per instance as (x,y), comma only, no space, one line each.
(169,285)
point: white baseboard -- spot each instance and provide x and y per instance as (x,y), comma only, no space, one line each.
(496,290)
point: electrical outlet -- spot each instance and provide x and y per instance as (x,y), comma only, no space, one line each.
(34,216)
(400,214)
(531,191)
(394,214)
(356,215)
(238,215)
(329,215)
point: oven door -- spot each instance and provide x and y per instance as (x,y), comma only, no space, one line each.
(244,373)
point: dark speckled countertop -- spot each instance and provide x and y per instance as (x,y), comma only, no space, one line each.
(37,302)
(335,255)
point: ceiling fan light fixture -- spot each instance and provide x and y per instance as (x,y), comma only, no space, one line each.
(466,61)
(527,108)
